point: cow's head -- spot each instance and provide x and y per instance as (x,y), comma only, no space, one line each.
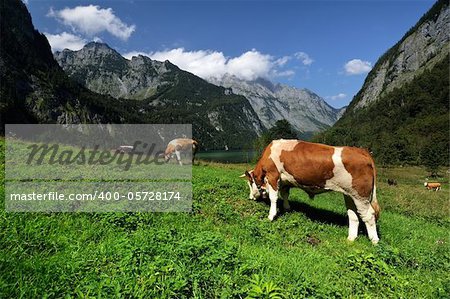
(257,189)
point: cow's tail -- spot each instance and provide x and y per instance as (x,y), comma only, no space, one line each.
(374,201)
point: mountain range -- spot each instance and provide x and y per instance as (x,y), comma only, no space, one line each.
(35,89)
(165,94)
(97,85)
(307,112)
(400,113)
(103,70)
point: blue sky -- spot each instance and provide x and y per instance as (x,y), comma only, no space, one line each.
(325,46)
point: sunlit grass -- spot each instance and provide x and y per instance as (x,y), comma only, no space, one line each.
(215,251)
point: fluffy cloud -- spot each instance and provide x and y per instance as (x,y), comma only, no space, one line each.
(206,63)
(286,73)
(65,40)
(339,96)
(203,63)
(250,65)
(357,67)
(92,19)
(304,58)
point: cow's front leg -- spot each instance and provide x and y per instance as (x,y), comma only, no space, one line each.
(273,196)
(284,193)
(178,154)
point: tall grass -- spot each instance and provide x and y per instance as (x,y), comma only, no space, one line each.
(226,248)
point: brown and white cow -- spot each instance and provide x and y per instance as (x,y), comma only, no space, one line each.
(318,168)
(125,149)
(178,146)
(432,186)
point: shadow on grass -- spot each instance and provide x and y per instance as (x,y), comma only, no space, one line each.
(313,213)
(318,214)
(327,217)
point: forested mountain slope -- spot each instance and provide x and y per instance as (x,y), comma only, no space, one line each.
(402,111)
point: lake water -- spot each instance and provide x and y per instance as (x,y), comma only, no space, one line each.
(227,156)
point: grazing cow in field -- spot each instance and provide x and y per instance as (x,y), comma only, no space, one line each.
(392,182)
(432,186)
(178,146)
(125,149)
(317,168)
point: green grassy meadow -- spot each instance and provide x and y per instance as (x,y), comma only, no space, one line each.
(227,248)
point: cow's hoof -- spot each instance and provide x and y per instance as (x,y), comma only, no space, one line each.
(351,239)
(375,241)
(271,217)
(286,206)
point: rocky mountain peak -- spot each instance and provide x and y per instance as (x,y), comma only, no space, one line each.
(97,45)
(305,110)
(102,69)
(265,83)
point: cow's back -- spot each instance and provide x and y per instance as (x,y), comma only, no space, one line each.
(183,144)
(308,163)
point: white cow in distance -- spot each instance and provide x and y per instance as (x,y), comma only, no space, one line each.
(178,146)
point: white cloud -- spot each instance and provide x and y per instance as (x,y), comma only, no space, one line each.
(304,58)
(286,73)
(65,40)
(283,60)
(203,63)
(339,96)
(92,19)
(250,65)
(206,63)
(357,67)
(129,55)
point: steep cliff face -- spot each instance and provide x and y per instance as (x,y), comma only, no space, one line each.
(305,111)
(421,48)
(402,112)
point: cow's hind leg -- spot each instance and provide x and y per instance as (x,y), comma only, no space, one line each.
(353,221)
(284,193)
(367,215)
(178,155)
